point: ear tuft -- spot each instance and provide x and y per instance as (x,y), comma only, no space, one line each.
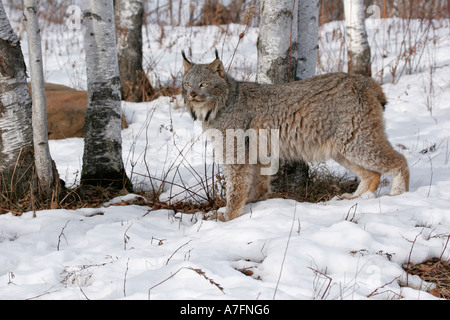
(186,63)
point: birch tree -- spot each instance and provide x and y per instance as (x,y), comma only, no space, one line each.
(356,34)
(43,161)
(16,135)
(102,159)
(306,52)
(287,51)
(128,19)
(288,40)
(276,40)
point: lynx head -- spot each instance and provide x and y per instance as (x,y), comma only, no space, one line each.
(204,88)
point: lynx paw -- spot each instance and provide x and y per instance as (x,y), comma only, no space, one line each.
(347,196)
(350,196)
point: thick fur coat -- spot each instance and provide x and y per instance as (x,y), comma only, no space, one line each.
(334,116)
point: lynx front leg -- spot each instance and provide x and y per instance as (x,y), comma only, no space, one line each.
(259,186)
(238,178)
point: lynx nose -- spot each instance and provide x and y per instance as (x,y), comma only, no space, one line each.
(193,94)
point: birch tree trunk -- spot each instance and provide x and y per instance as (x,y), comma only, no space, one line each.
(287,50)
(128,19)
(43,161)
(277,40)
(16,134)
(357,43)
(305,52)
(102,159)
(308,38)
(288,40)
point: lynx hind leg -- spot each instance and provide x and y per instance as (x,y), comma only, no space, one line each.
(399,171)
(260,185)
(379,159)
(369,180)
(238,178)
(390,162)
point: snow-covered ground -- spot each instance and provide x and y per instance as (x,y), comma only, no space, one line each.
(279,249)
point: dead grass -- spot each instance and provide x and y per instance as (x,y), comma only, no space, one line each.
(435,271)
(320,185)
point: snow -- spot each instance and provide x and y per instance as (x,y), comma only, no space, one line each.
(349,249)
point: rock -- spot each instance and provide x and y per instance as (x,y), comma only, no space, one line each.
(66,108)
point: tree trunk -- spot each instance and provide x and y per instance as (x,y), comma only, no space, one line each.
(277,40)
(134,82)
(358,45)
(42,156)
(102,159)
(16,135)
(308,37)
(287,50)
(288,40)
(305,52)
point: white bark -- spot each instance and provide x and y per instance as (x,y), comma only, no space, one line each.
(358,45)
(129,18)
(287,51)
(16,133)
(288,40)
(308,36)
(43,159)
(128,11)
(6,32)
(275,41)
(102,160)
(100,42)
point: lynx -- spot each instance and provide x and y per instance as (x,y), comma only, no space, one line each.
(333,116)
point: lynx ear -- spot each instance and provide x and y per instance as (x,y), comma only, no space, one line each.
(217,66)
(186,63)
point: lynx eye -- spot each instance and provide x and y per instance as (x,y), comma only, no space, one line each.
(188,84)
(204,85)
